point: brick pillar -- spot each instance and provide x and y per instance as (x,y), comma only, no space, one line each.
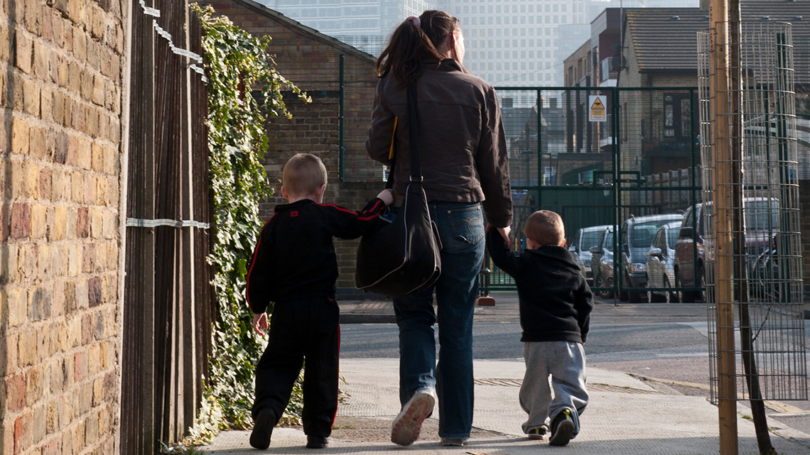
(61,103)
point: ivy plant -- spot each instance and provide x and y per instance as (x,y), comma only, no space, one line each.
(244,92)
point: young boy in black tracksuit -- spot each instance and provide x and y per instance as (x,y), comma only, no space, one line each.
(555,306)
(295,267)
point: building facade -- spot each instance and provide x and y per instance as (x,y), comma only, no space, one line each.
(311,60)
(363,24)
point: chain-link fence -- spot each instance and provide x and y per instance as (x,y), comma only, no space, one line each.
(752,155)
(620,166)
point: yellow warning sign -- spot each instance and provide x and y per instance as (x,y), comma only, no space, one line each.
(598,108)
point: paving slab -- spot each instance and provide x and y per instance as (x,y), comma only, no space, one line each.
(625,416)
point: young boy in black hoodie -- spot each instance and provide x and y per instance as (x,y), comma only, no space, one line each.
(295,267)
(555,306)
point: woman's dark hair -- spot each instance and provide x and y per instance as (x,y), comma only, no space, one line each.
(410,44)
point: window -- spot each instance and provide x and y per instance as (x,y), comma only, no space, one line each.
(672,237)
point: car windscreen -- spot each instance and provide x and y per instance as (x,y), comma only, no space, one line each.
(590,240)
(642,234)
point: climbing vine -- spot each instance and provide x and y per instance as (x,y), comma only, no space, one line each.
(244,90)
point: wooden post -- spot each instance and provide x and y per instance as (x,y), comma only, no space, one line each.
(724,248)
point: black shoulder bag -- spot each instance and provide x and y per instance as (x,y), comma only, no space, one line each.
(404,256)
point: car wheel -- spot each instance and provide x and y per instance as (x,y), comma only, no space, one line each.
(624,296)
(684,296)
(600,283)
(702,276)
(633,296)
(672,296)
(653,297)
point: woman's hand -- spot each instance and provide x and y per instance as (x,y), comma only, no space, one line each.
(504,231)
(387,196)
(260,324)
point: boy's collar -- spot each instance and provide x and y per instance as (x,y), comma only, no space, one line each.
(555,252)
(283,207)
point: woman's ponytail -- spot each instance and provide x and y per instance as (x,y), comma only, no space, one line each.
(414,40)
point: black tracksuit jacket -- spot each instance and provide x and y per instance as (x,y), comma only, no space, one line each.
(555,300)
(295,258)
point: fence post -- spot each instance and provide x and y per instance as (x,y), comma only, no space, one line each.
(724,254)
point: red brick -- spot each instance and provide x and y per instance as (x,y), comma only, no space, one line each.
(83,223)
(20,221)
(15,393)
(23,436)
(80,367)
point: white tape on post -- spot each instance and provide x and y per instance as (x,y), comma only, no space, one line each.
(137,222)
(168,37)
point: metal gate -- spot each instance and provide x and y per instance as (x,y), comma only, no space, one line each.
(621,166)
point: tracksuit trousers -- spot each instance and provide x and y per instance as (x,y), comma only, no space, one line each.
(304,329)
(563,363)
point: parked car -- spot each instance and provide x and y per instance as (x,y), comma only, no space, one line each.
(583,241)
(636,237)
(602,263)
(761,223)
(661,262)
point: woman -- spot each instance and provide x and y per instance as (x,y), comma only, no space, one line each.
(464,165)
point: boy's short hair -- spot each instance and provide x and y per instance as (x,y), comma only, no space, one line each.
(545,227)
(303,174)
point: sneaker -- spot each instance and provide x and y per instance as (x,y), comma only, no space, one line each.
(562,428)
(408,423)
(262,429)
(457,442)
(316,442)
(537,433)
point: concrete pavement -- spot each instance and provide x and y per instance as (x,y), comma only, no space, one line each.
(625,416)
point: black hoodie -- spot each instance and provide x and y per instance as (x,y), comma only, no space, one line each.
(555,300)
(295,258)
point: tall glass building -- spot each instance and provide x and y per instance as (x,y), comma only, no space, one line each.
(364,24)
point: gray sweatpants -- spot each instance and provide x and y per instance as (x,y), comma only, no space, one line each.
(554,380)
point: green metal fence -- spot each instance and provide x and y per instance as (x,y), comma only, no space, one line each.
(631,169)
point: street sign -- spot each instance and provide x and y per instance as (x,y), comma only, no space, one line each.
(597,112)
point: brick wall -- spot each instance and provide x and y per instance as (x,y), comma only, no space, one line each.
(60,136)
(312,62)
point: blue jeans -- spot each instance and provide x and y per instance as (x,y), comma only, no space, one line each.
(461,228)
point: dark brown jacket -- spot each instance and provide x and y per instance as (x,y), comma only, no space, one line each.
(462,141)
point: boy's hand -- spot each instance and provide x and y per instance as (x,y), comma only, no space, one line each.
(387,196)
(260,324)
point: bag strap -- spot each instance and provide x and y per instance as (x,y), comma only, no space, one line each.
(413,130)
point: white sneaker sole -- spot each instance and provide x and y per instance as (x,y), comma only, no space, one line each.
(408,423)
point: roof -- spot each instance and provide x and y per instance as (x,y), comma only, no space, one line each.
(301,28)
(786,11)
(662,43)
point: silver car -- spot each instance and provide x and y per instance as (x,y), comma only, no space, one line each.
(635,238)
(661,262)
(583,241)
(602,264)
